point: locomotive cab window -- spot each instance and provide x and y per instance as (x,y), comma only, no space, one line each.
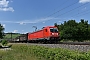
(53,30)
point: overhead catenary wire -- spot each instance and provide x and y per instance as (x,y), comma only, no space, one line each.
(71,10)
(80,13)
(63,8)
(63,3)
(57,7)
(83,14)
(66,11)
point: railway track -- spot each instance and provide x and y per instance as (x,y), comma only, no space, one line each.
(75,43)
(68,43)
(80,46)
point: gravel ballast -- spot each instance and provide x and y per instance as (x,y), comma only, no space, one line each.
(84,48)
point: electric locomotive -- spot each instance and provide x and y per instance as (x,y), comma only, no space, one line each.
(47,34)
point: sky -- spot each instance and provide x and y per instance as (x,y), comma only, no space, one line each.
(19,16)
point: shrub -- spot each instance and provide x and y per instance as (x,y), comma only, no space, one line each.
(53,53)
(58,53)
(4,42)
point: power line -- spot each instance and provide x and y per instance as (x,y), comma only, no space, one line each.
(72,9)
(63,9)
(67,11)
(83,14)
(80,13)
(57,7)
(63,3)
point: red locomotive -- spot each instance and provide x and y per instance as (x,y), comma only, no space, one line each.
(47,34)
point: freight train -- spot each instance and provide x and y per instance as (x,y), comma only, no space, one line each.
(47,34)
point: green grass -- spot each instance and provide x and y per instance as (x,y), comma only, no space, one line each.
(15,56)
(8,36)
(32,52)
(17,53)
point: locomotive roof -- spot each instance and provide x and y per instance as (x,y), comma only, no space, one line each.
(43,28)
(49,27)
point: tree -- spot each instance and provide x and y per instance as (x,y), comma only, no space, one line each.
(83,30)
(67,30)
(1,31)
(74,31)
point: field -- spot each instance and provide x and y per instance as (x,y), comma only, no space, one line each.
(8,36)
(32,52)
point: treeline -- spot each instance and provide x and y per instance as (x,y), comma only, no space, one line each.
(11,33)
(72,30)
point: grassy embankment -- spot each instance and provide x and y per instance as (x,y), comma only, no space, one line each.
(28,52)
(18,52)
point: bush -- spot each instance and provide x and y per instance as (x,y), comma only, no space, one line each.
(4,42)
(58,54)
(53,53)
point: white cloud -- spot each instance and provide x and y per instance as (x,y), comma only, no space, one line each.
(4,6)
(23,22)
(7,9)
(4,25)
(15,31)
(36,20)
(24,32)
(84,1)
(4,3)
(59,21)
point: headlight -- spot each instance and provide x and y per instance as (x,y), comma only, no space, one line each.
(57,33)
(52,33)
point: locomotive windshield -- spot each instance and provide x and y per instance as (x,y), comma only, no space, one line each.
(53,30)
